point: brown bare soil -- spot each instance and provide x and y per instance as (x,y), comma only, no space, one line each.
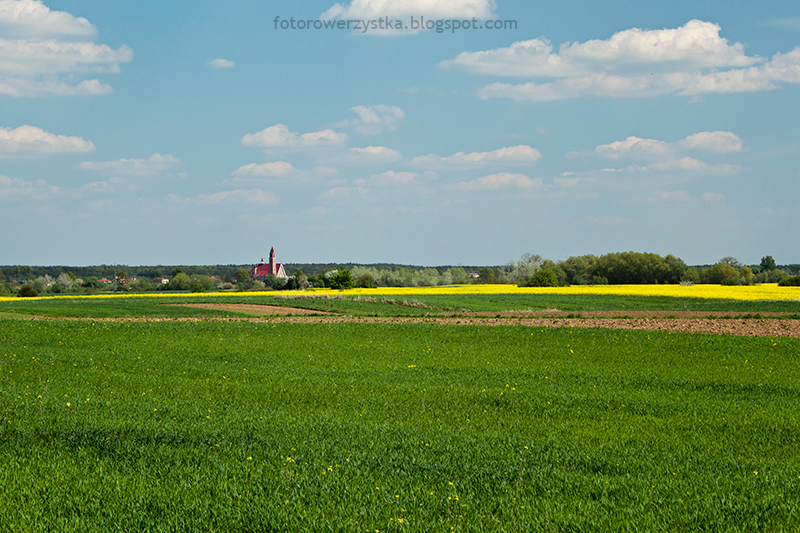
(677,321)
(256,308)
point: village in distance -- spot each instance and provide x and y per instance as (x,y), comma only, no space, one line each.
(531,270)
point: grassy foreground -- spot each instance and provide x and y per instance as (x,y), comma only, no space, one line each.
(359,427)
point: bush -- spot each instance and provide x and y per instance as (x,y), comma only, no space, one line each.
(794,281)
(366,281)
(180,282)
(543,277)
(198,287)
(722,274)
(27,291)
(341,280)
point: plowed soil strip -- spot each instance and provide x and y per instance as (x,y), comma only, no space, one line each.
(256,308)
(718,326)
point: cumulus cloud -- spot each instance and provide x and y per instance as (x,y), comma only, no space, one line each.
(15,188)
(31,18)
(371,155)
(28,140)
(693,165)
(343,193)
(503,180)
(44,52)
(512,155)
(390,178)
(238,196)
(279,136)
(269,170)
(404,9)
(636,147)
(220,63)
(152,166)
(374,119)
(690,60)
(713,141)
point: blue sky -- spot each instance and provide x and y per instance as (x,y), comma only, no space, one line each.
(203,133)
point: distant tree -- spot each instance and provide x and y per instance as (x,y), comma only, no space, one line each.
(543,277)
(178,270)
(27,291)
(242,276)
(557,270)
(722,274)
(768,263)
(487,275)
(180,282)
(732,261)
(141,285)
(745,276)
(676,268)
(691,275)
(366,281)
(274,282)
(341,280)
(794,281)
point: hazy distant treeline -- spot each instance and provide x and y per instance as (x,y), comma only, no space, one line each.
(530,270)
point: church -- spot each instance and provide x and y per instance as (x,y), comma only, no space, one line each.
(262,270)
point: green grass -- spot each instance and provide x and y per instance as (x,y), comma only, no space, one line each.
(64,306)
(349,427)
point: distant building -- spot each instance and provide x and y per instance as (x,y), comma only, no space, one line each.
(262,270)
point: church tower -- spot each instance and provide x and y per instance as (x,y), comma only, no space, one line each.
(272,268)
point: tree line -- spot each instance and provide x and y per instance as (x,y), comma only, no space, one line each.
(530,270)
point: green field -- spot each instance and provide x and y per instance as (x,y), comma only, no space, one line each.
(222,426)
(417,305)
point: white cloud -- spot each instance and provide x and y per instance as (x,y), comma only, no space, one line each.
(633,146)
(693,165)
(372,155)
(712,197)
(44,53)
(690,60)
(272,169)
(711,141)
(514,155)
(343,193)
(32,140)
(220,63)
(15,188)
(390,178)
(279,136)
(238,196)
(503,180)
(714,141)
(374,9)
(21,87)
(152,166)
(29,18)
(673,196)
(374,119)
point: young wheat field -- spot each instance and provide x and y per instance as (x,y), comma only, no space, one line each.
(220,425)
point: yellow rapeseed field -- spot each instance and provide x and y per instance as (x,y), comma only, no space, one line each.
(765,291)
